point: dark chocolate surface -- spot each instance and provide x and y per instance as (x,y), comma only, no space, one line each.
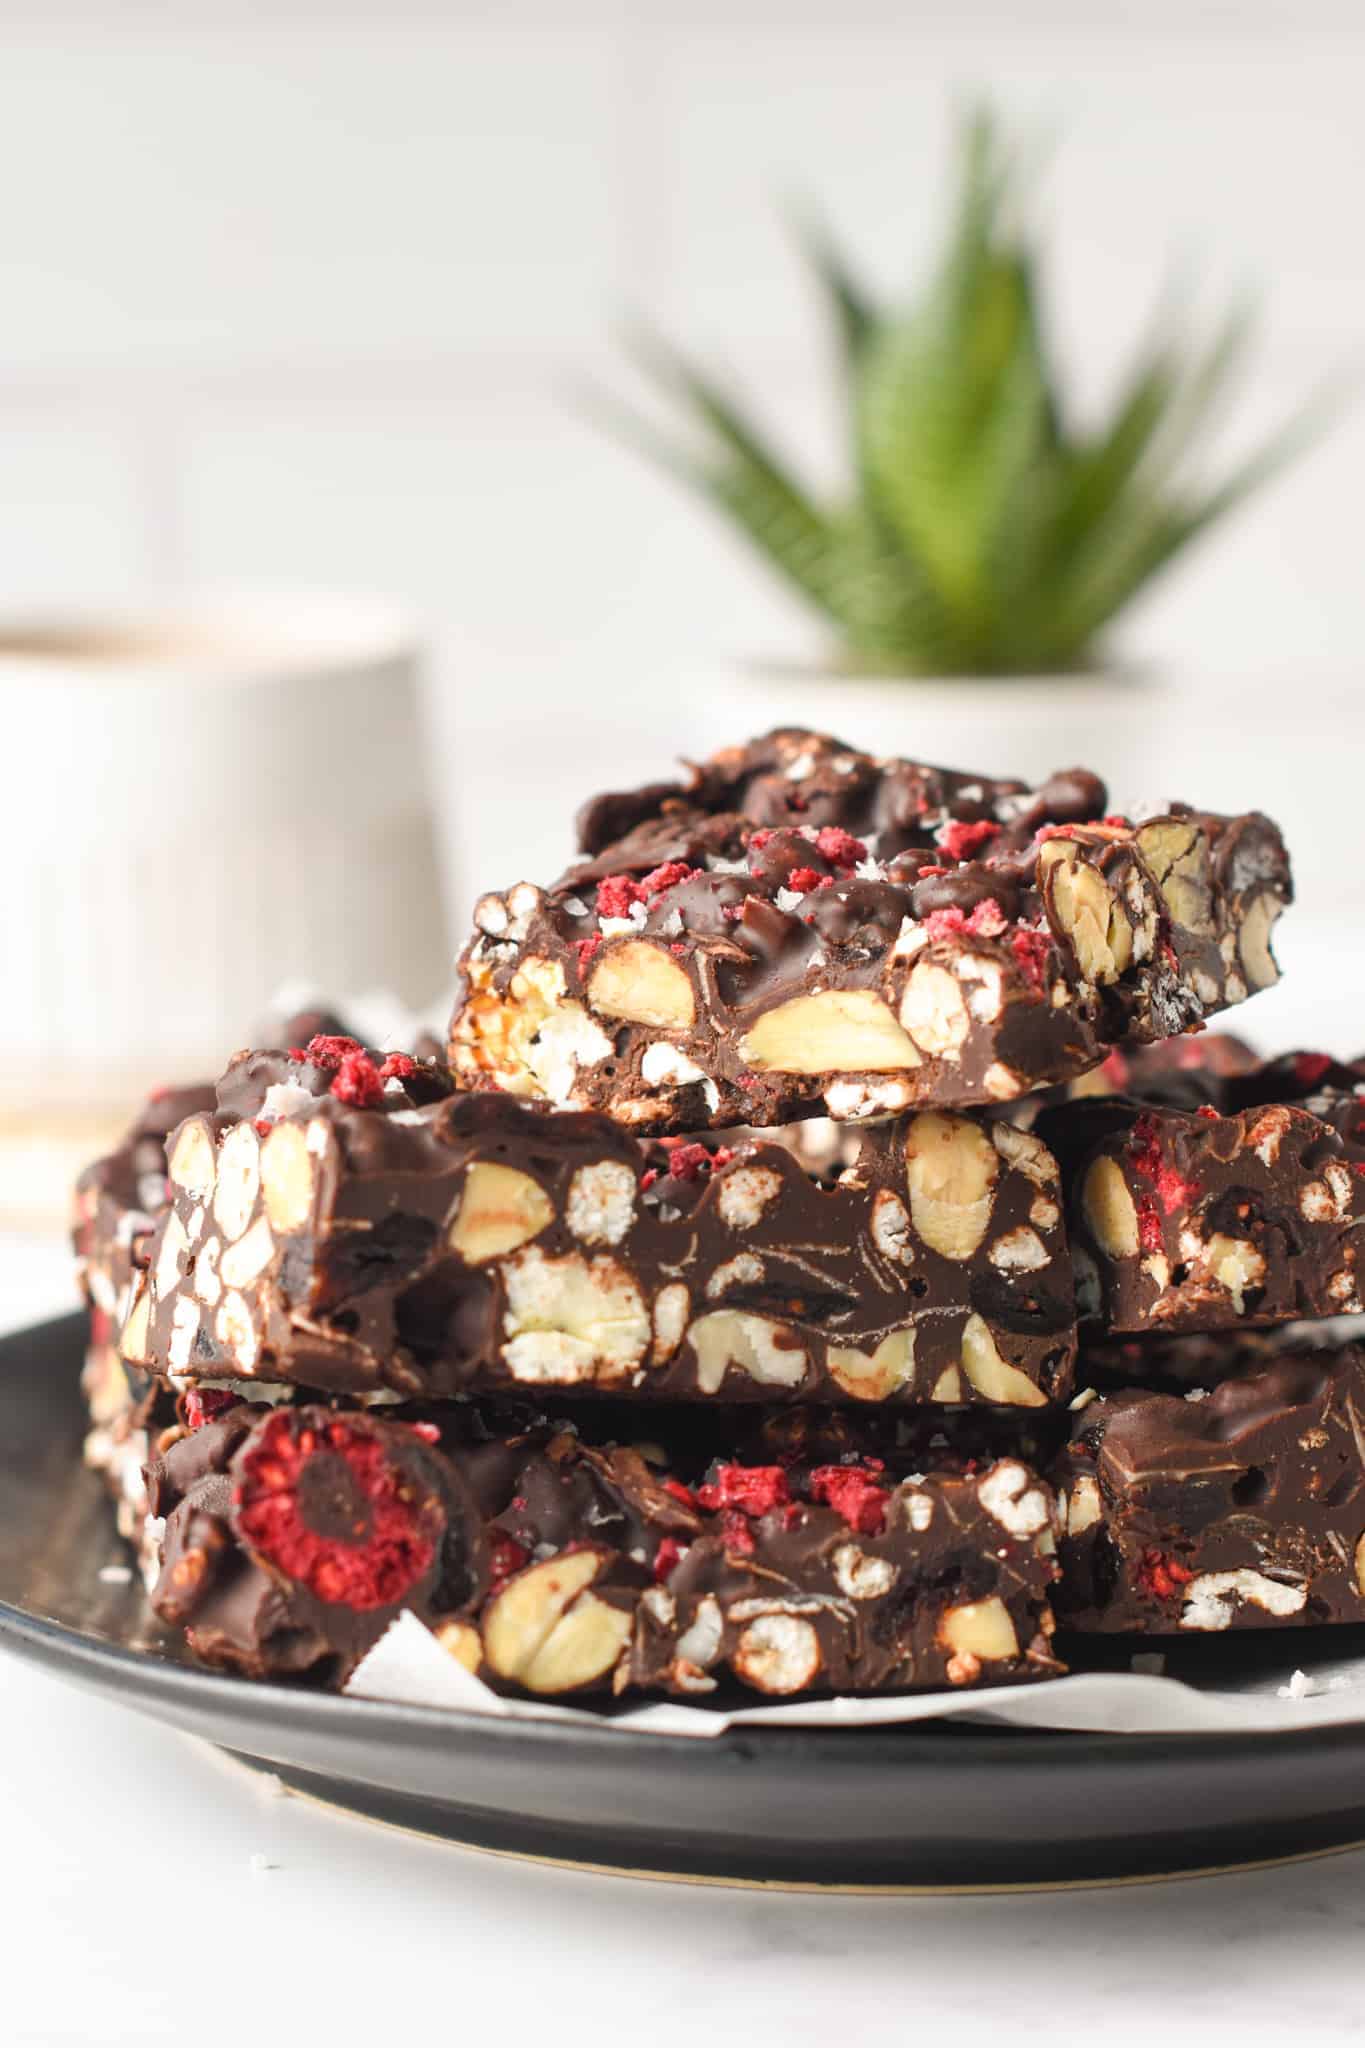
(554,1563)
(802,927)
(1237,1507)
(475,1242)
(1244,1207)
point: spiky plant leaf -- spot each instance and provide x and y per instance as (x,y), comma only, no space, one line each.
(982,530)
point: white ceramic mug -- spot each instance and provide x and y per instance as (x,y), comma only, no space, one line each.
(201,802)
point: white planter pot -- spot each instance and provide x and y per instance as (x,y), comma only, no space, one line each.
(201,803)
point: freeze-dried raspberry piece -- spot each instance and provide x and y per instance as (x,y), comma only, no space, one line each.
(586,948)
(753,1489)
(659,880)
(616,895)
(961,839)
(206,1404)
(323,1502)
(1030,949)
(358,1081)
(1162,1574)
(839,846)
(327,1049)
(855,1492)
(666,1557)
(506,1557)
(398,1066)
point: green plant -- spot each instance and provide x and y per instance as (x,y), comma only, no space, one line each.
(985,530)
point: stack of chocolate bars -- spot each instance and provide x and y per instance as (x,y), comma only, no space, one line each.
(826,1257)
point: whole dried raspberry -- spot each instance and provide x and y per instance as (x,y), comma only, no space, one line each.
(854,1493)
(659,880)
(398,1066)
(357,1081)
(960,839)
(840,846)
(616,894)
(321,1499)
(753,1489)
(1030,949)
(1162,1574)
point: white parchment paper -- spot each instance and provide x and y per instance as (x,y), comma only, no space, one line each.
(409,1667)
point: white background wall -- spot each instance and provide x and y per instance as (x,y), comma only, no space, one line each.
(300,292)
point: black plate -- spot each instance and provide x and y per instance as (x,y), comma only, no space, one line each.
(927,1806)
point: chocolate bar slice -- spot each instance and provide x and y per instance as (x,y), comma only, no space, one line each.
(398,1238)
(553,1565)
(803,928)
(1243,1507)
(1247,1208)
(116,1206)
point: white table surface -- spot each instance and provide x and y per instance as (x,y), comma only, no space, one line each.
(134,1908)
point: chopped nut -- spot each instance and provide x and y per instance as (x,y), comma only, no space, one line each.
(642,984)
(500,1209)
(239,1180)
(236,1333)
(1006,1495)
(744,1270)
(951,1168)
(980,1628)
(175,1247)
(1360,1565)
(287,1177)
(993,1378)
(744,1193)
(1211,1598)
(191,1164)
(777,1653)
(1081,909)
(862,1577)
(1026,1153)
(1109,1209)
(671,1306)
(571,1319)
(601,1204)
(546,1631)
(1253,942)
(208,1287)
(133,1337)
(1237,1265)
(461,1642)
(246,1260)
(891,1366)
(849,1030)
(1018,1251)
(1002,1084)
(1084,1506)
(1177,853)
(947,1387)
(891,1228)
(933,1010)
(766,1350)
